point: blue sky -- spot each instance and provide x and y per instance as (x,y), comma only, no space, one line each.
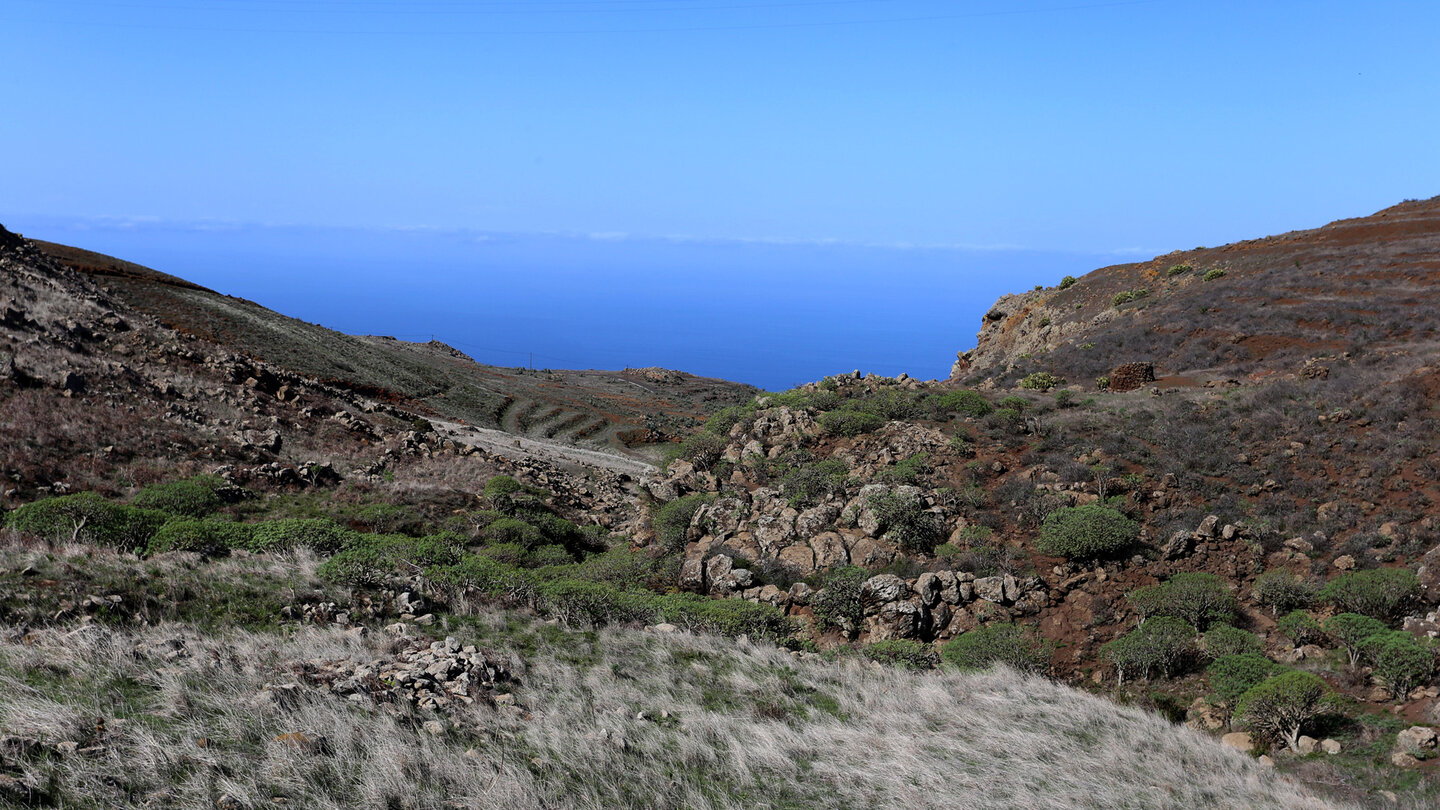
(1094,130)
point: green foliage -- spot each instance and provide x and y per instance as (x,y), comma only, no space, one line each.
(1067,282)
(319,534)
(906,471)
(1350,631)
(902,653)
(1177,269)
(86,517)
(703,449)
(904,520)
(727,617)
(1233,675)
(1222,640)
(1163,643)
(193,497)
(726,418)
(1127,296)
(483,575)
(1086,532)
(1383,593)
(1064,398)
(1102,383)
(1198,598)
(422,425)
(1280,706)
(1300,627)
(849,423)
(593,604)
(837,604)
(544,556)
(512,554)
(209,537)
(1014,403)
(671,521)
(808,484)
(1212,274)
(1283,591)
(1398,660)
(993,644)
(963,402)
(372,559)
(1041,381)
(511,531)
(618,567)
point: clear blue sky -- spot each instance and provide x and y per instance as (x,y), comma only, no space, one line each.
(1045,125)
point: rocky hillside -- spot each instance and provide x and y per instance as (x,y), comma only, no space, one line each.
(624,412)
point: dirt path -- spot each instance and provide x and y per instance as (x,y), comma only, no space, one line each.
(512,446)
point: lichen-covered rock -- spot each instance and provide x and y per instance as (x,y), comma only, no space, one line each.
(881,589)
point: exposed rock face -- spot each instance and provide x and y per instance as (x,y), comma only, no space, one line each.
(1130,376)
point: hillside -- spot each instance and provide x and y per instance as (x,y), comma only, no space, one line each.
(281,565)
(623,412)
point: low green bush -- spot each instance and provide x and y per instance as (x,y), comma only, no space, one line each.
(1164,643)
(1222,640)
(727,617)
(484,575)
(1300,627)
(1280,707)
(1211,275)
(1177,269)
(902,653)
(511,531)
(904,520)
(1006,644)
(1067,282)
(594,604)
(963,402)
(672,520)
(210,537)
(836,604)
(1350,631)
(1231,676)
(85,517)
(1199,598)
(808,484)
(373,559)
(1381,593)
(1283,591)
(1086,532)
(321,535)
(906,471)
(1041,381)
(192,497)
(1399,660)
(849,423)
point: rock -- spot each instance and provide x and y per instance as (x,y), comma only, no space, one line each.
(830,550)
(665,627)
(799,557)
(718,567)
(1208,526)
(1306,745)
(692,575)
(1330,746)
(1239,740)
(1177,546)
(928,587)
(1416,740)
(880,590)
(1400,759)
(1345,562)
(800,593)
(868,553)
(1299,544)
(1130,376)
(991,589)
(1429,576)
(434,727)
(1203,715)
(1265,761)
(894,620)
(949,587)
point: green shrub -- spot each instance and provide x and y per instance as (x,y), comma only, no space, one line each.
(1211,275)
(1198,598)
(1281,706)
(836,604)
(906,471)
(964,402)
(703,449)
(1068,282)
(1222,640)
(726,617)
(1350,631)
(1102,383)
(1127,296)
(889,403)
(594,604)
(1300,627)
(1399,661)
(1382,593)
(618,567)
(1086,532)
(849,423)
(544,556)
(1177,269)
(507,553)
(672,520)
(905,521)
(373,559)
(504,492)
(511,531)
(193,497)
(486,576)
(993,644)
(808,484)
(1233,675)
(1163,643)
(322,535)
(1064,398)
(902,653)
(85,517)
(1283,591)
(1014,403)
(210,537)
(1041,381)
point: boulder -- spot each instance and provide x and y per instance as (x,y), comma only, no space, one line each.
(894,620)
(1239,740)
(799,557)
(1177,546)
(1416,740)
(1208,527)
(991,589)
(830,550)
(1330,746)
(928,587)
(880,590)
(1306,745)
(1429,575)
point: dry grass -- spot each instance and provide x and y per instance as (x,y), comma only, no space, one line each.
(617,719)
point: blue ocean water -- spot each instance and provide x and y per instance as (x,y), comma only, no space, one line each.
(771,314)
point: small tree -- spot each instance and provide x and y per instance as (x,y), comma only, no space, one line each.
(1162,643)
(1398,660)
(1283,591)
(837,603)
(1222,640)
(1300,627)
(1279,707)
(1086,532)
(993,644)
(1383,593)
(672,520)
(1233,675)
(1350,631)
(905,520)
(1198,598)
